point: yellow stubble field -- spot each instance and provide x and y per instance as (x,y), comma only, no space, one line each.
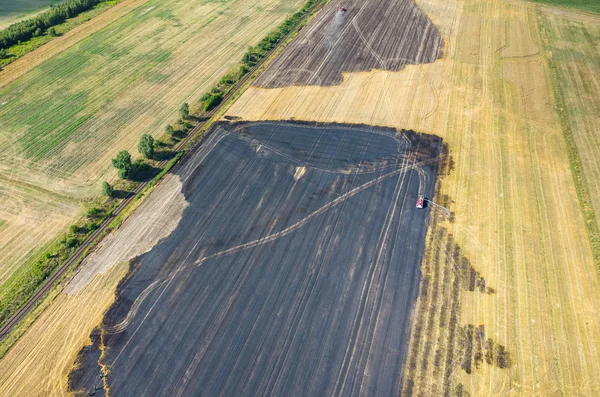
(517,223)
(39,363)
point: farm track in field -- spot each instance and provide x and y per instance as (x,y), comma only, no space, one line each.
(92,238)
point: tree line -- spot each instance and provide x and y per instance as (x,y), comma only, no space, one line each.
(57,14)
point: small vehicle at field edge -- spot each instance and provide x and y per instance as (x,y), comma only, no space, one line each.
(420,201)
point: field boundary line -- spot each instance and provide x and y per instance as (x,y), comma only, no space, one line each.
(184,149)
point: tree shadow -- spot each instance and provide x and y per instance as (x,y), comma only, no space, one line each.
(160,155)
(120,194)
(178,135)
(197,119)
(142,171)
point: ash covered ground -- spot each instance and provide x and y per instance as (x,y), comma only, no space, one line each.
(293,271)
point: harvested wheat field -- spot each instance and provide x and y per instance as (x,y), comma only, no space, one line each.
(573,44)
(509,298)
(39,363)
(67,108)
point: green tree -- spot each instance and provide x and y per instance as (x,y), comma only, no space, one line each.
(71,242)
(107,189)
(146,146)
(52,32)
(123,163)
(3,53)
(169,129)
(38,32)
(184,111)
(212,102)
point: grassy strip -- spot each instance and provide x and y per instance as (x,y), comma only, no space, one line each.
(14,52)
(584,5)
(25,283)
(583,192)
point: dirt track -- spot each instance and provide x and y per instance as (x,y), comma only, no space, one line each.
(293,271)
(368,35)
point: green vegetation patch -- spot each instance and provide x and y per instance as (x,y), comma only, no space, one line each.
(585,5)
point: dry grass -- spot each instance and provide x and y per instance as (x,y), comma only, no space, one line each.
(67,108)
(39,363)
(517,219)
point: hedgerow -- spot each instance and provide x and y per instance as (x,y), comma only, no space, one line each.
(57,14)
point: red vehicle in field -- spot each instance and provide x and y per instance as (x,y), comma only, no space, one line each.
(342,9)
(420,201)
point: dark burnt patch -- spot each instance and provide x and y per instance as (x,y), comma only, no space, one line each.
(477,348)
(366,35)
(210,311)
(85,377)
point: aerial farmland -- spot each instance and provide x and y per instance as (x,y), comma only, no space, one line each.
(402,200)
(70,106)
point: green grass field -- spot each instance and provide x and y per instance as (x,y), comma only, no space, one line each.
(62,122)
(585,5)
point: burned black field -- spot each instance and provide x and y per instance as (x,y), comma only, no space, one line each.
(355,36)
(293,271)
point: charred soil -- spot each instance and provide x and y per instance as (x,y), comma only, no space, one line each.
(294,270)
(359,37)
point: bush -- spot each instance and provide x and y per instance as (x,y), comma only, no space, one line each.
(124,173)
(107,189)
(227,80)
(71,242)
(212,102)
(93,213)
(146,146)
(169,129)
(184,111)
(75,229)
(52,32)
